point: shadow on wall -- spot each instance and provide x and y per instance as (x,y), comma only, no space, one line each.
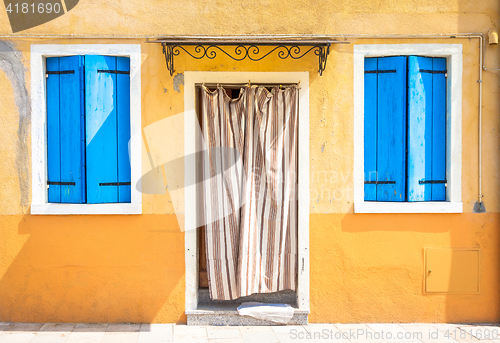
(88,268)
(481,229)
(394,265)
(424,223)
(96,269)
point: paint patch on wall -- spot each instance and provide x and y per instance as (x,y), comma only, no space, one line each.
(479,207)
(12,65)
(178,80)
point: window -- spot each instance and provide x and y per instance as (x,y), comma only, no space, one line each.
(407,128)
(86,129)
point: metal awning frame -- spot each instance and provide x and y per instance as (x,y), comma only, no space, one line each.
(247,49)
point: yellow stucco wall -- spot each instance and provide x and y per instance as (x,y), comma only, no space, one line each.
(364,267)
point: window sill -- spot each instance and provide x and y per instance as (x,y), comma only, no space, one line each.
(75,209)
(406,207)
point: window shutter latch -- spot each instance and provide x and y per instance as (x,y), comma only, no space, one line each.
(422,182)
(58,72)
(114,184)
(60,183)
(380,182)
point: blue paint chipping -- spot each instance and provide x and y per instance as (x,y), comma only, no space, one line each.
(108,128)
(426,128)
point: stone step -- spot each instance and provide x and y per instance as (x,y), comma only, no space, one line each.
(226,314)
(282,297)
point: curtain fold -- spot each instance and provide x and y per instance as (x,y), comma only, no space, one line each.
(249,190)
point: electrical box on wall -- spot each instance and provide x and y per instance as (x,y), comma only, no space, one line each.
(451,270)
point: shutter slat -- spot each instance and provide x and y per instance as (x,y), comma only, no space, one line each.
(438,129)
(53,139)
(419,135)
(123,116)
(64,107)
(370,129)
(101,129)
(391,128)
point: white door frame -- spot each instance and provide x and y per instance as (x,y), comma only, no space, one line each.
(191,129)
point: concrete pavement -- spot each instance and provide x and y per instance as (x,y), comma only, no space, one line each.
(159,333)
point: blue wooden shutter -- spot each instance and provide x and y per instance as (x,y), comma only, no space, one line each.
(426,128)
(107,86)
(65,130)
(385,128)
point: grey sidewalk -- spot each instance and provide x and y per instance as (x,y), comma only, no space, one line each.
(156,333)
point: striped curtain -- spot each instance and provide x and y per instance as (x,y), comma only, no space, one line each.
(249,192)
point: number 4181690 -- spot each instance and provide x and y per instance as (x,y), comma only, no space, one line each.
(32,8)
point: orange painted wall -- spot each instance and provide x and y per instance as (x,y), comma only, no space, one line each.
(93,269)
(369,267)
(364,268)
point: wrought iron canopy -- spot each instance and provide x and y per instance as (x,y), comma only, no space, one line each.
(241,49)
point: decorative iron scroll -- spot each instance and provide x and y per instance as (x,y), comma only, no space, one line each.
(243,51)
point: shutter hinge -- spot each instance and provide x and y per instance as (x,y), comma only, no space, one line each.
(433,71)
(60,183)
(380,182)
(59,72)
(114,184)
(113,71)
(380,71)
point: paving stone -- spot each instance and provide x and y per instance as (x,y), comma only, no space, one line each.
(90,328)
(85,337)
(227,340)
(51,337)
(17,336)
(259,337)
(288,329)
(216,332)
(244,329)
(24,327)
(189,332)
(120,328)
(121,337)
(156,333)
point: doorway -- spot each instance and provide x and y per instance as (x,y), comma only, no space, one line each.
(195,254)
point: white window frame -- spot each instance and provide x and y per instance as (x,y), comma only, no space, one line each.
(39,200)
(191,78)
(453,55)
